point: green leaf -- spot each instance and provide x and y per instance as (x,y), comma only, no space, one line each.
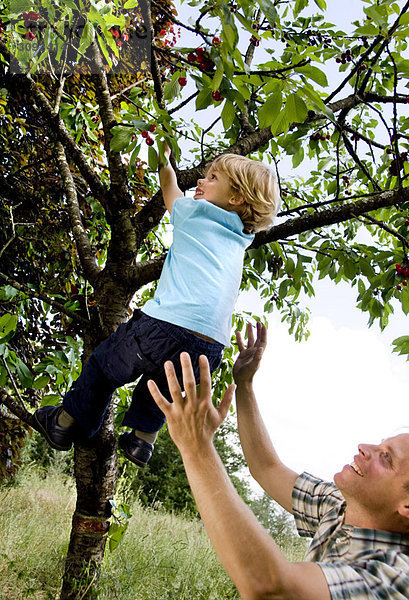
(268,113)
(8,324)
(23,373)
(321,4)
(218,76)
(299,6)
(152,158)
(17,7)
(298,157)
(87,37)
(229,33)
(315,74)
(203,99)
(41,382)
(405,300)
(171,89)
(228,114)
(269,10)
(296,109)
(121,137)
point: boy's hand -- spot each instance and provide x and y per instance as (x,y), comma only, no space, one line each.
(249,358)
(192,420)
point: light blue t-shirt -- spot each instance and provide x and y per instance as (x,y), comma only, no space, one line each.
(201,277)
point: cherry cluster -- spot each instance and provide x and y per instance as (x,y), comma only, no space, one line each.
(173,35)
(345,57)
(402,270)
(319,135)
(145,134)
(119,36)
(31,19)
(201,58)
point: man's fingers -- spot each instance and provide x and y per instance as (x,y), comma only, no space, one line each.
(205,381)
(250,335)
(225,402)
(261,335)
(239,339)
(173,384)
(188,376)
(160,400)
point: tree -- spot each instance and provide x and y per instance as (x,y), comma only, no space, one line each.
(85,85)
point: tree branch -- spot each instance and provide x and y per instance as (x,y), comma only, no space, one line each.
(331,216)
(40,296)
(85,253)
(17,409)
(57,128)
(118,175)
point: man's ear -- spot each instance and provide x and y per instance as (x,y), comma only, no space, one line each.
(403,510)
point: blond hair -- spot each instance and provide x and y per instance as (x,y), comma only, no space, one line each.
(256,183)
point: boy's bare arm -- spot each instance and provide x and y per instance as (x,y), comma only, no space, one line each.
(168,182)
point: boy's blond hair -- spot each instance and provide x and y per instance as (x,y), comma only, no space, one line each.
(256,183)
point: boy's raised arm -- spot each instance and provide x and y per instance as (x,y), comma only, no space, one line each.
(168,182)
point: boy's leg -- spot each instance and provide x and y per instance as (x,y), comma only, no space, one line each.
(144,416)
(116,361)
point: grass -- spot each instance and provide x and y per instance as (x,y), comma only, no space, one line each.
(162,557)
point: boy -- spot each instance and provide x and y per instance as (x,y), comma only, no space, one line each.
(191,310)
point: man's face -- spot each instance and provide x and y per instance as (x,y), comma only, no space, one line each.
(215,188)
(374,483)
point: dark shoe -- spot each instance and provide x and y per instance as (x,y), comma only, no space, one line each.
(58,437)
(135,449)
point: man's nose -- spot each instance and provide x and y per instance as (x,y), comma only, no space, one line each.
(366,450)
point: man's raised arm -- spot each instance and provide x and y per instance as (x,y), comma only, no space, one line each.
(251,558)
(264,464)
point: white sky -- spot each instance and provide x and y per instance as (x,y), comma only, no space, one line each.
(343,386)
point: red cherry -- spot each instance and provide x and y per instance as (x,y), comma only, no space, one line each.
(145,134)
(200,51)
(405,283)
(398,287)
(217,96)
(191,57)
(29,35)
(182,81)
(149,141)
(407,223)
(216,41)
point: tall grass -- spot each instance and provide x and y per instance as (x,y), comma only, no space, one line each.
(162,557)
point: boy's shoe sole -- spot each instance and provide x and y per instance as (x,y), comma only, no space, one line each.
(58,437)
(135,449)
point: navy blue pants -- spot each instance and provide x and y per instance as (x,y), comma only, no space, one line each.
(139,347)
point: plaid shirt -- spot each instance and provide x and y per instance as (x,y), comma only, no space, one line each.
(359,564)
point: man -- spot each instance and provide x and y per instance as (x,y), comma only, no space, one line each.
(360,526)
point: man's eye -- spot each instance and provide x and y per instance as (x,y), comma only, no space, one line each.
(387,457)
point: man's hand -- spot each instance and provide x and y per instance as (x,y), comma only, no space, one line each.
(192,419)
(249,358)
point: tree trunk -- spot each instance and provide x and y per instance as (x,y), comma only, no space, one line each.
(96,476)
